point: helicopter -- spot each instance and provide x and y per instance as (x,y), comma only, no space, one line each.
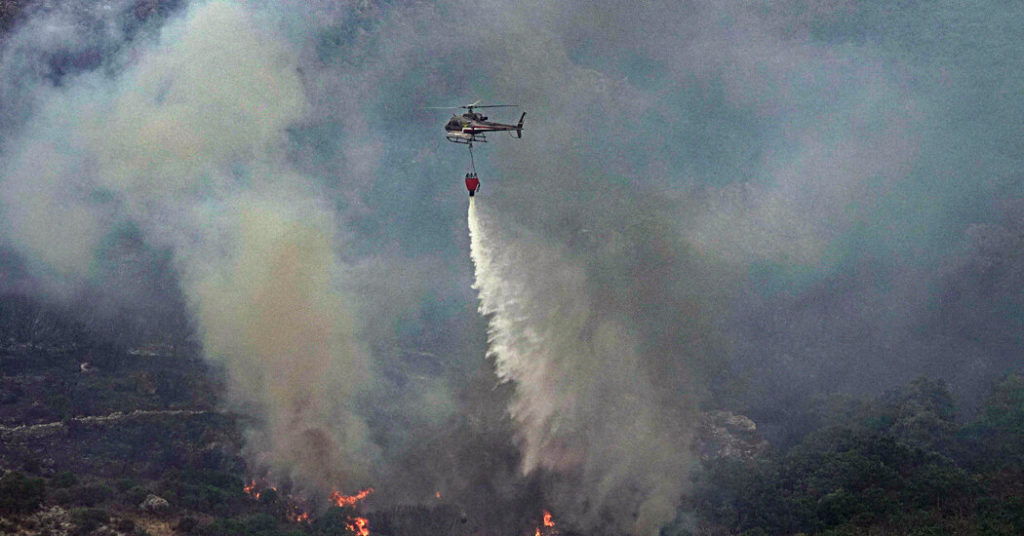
(472,127)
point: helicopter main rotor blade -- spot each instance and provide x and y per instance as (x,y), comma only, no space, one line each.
(489,106)
(468,106)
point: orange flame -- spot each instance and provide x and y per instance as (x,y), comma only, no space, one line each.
(547,523)
(254,490)
(359,525)
(437,494)
(301,517)
(348,500)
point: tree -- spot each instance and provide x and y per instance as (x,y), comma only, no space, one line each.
(922,414)
(996,439)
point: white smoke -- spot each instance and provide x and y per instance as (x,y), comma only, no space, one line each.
(584,404)
(188,143)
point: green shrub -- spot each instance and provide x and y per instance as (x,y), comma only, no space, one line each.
(260,523)
(333,521)
(126,484)
(217,479)
(93,494)
(88,519)
(206,491)
(64,480)
(62,496)
(19,493)
(187,525)
(125,525)
(269,497)
(31,466)
(202,498)
(135,495)
(255,525)
(224,527)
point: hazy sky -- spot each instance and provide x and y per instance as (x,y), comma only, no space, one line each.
(735,203)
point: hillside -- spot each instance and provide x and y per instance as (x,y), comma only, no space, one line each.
(102,438)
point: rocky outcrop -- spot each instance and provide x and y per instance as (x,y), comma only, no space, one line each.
(154,504)
(724,434)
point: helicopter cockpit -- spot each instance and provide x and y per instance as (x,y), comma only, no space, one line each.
(453,124)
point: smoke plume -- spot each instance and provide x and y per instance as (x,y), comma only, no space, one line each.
(187,142)
(584,405)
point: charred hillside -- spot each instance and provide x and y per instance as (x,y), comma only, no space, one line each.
(100,436)
(109,425)
(93,423)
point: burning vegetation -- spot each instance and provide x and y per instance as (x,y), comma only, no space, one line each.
(342,513)
(298,510)
(547,526)
(340,500)
(359,525)
(256,490)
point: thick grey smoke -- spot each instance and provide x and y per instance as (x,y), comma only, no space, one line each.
(186,141)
